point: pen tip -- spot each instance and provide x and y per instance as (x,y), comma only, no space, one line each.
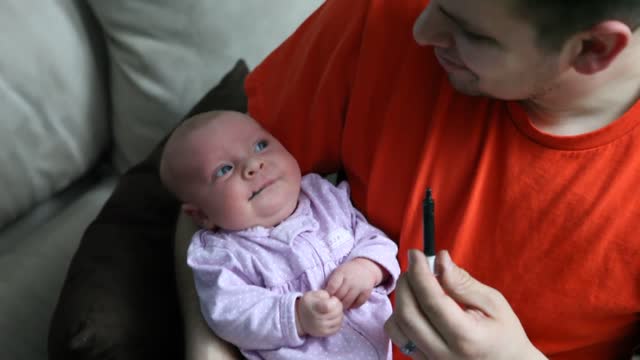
(428,195)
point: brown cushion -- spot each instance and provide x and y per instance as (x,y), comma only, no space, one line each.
(119,299)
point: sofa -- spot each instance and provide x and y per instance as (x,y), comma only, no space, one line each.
(88,91)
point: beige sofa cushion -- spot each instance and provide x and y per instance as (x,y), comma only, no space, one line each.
(165,54)
(52,102)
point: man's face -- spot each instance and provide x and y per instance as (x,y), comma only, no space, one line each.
(487,50)
(243,176)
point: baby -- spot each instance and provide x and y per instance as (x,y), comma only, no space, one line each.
(285,267)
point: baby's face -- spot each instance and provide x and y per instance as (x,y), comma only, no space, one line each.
(245,177)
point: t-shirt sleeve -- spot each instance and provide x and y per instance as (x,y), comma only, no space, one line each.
(301,90)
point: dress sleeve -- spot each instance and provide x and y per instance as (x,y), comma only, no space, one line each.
(373,244)
(370,242)
(249,316)
(300,92)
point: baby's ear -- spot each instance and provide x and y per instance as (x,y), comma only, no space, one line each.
(195,213)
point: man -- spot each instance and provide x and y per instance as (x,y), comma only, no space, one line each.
(521,116)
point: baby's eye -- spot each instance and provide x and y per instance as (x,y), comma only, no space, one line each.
(223,170)
(261,145)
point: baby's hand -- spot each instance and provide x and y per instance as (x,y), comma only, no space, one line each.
(318,314)
(353,281)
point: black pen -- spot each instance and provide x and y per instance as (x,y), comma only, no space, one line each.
(429,228)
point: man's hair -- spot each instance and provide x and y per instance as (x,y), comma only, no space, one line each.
(557,20)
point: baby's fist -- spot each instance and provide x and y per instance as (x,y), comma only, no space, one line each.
(318,314)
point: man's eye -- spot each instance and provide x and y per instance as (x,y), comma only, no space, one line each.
(223,170)
(261,145)
(476,37)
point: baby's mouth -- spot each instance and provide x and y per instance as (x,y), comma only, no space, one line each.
(253,194)
(264,186)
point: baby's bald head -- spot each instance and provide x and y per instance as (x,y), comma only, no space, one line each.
(175,167)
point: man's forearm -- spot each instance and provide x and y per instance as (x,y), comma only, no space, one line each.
(200,342)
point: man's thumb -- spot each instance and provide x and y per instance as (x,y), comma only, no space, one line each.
(465,289)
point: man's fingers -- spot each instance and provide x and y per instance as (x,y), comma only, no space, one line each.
(466,290)
(412,322)
(445,315)
(399,339)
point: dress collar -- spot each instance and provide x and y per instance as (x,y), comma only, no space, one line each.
(301,220)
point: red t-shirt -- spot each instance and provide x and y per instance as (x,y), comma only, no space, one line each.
(551,222)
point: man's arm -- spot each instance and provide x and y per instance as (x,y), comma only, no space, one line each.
(200,342)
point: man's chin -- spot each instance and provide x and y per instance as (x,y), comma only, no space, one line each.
(465,86)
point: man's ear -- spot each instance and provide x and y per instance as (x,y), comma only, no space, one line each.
(198,216)
(601,45)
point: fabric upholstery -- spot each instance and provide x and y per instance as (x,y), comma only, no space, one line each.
(46,141)
(165,54)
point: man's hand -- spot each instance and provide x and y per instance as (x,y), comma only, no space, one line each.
(454,316)
(318,314)
(353,281)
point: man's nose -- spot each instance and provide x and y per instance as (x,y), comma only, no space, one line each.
(252,167)
(433,28)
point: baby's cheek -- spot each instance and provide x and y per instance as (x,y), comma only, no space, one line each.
(232,210)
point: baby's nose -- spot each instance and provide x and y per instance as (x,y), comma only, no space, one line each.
(252,167)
